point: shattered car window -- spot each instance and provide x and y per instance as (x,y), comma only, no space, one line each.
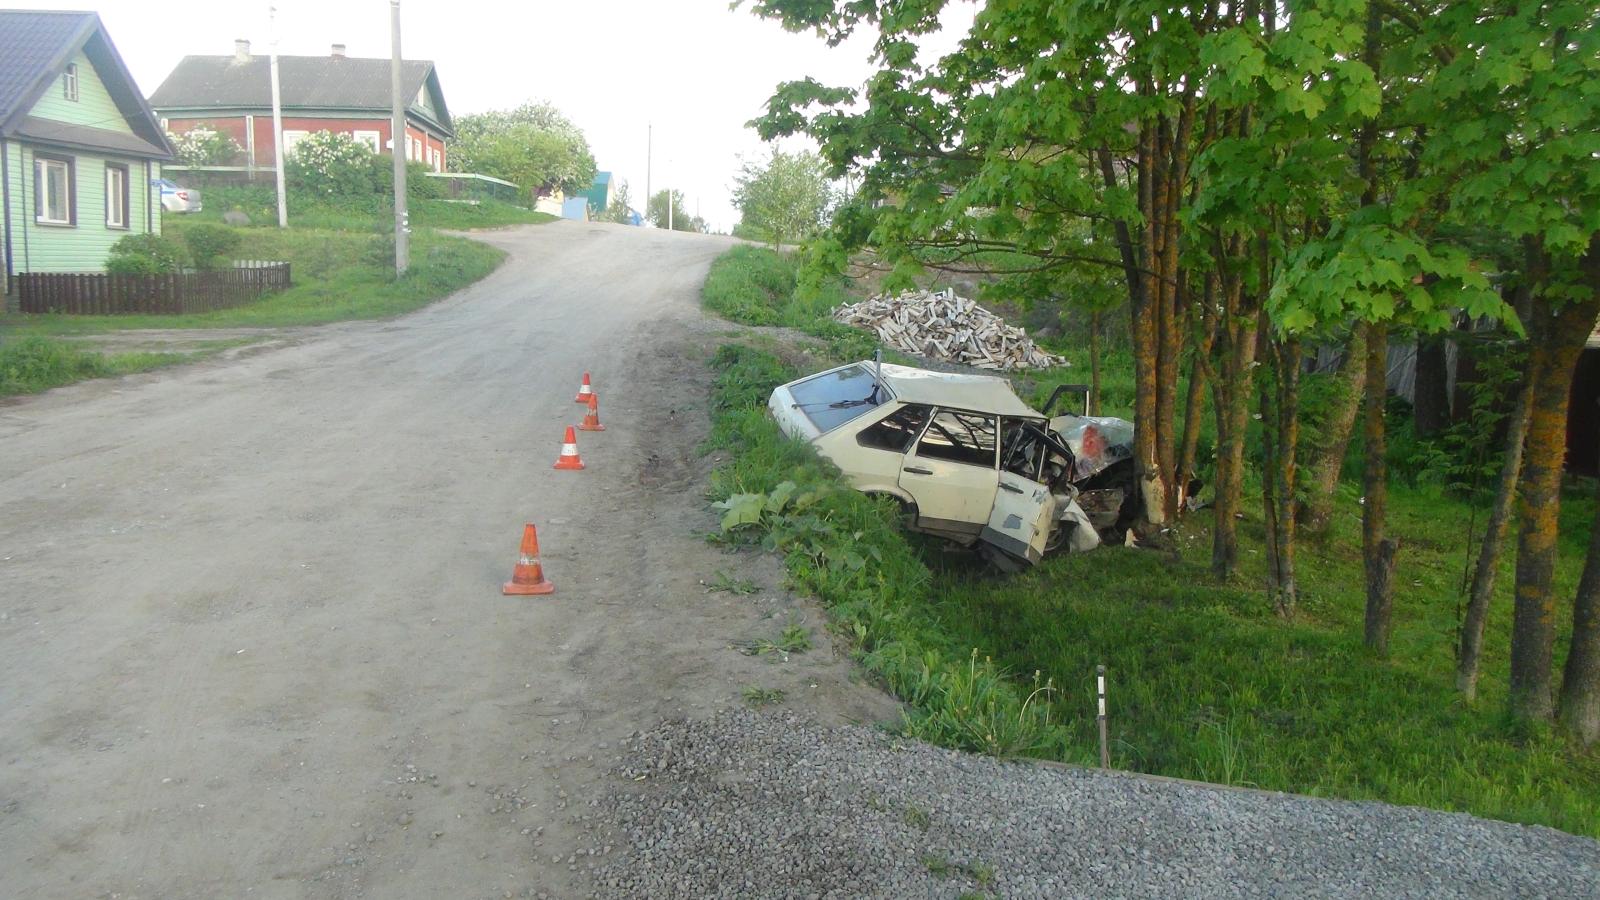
(897,430)
(834,398)
(960,437)
(1097,442)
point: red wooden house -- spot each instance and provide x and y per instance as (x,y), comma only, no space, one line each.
(349,95)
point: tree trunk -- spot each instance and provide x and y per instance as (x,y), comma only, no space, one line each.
(1430,402)
(1580,681)
(1094,362)
(1378,551)
(1494,539)
(1189,446)
(1236,341)
(1322,472)
(1285,472)
(1553,353)
(1145,314)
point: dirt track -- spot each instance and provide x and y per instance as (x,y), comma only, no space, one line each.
(251,635)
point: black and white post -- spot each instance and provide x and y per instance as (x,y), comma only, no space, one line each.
(1100,690)
(399,141)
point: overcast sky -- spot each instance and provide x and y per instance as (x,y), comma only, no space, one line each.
(694,68)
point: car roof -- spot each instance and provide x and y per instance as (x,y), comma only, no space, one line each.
(980,393)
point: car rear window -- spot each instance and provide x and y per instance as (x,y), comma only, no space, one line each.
(834,398)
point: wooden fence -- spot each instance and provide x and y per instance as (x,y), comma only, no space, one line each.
(171,294)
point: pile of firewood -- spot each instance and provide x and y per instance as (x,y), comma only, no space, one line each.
(942,326)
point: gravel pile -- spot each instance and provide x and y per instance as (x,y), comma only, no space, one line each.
(769,805)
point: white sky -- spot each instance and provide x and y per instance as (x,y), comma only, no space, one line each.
(694,68)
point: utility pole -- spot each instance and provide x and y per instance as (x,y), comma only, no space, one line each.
(669,209)
(649,137)
(277,119)
(398,139)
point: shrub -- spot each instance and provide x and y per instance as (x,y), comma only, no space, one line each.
(145,254)
(202,146)
(211,245)
(329,165)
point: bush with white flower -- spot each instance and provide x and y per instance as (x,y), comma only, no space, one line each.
(203,146)
(327,164)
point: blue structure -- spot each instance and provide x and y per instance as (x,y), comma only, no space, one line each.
(576,208)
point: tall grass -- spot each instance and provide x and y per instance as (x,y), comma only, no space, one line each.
(34,364)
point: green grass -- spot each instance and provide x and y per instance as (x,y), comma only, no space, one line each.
(1205,681)
(757,286)
(338,275)
(759,696)
(32,364)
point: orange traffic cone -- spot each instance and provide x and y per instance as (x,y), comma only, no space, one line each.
(528,576)
(569,458)
(591,419)
(584,390)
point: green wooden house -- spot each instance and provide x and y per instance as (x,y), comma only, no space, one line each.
(79,147)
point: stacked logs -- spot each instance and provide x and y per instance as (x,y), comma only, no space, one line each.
(941,326)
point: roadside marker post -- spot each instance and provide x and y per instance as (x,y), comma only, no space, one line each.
(1100,689)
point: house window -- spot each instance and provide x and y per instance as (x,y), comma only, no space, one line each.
(290,139)
(369,138)
(52,191)
(116,196)
(69,82)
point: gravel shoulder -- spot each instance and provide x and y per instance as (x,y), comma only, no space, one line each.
(747,804)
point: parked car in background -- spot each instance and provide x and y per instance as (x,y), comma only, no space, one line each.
(967,459)
(177,199)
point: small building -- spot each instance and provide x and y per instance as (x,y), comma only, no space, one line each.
(79,148)
(349,95)
(599,193)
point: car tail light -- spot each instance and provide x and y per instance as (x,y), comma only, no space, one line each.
(183,195)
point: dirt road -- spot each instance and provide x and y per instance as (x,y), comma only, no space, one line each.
(252,641)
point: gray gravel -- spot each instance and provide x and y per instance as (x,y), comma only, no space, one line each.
(753,804)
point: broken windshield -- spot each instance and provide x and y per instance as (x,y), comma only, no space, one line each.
(834,398)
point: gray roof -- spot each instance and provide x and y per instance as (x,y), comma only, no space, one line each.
(35,46)
(306,82)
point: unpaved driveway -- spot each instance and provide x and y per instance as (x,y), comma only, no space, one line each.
(251,636)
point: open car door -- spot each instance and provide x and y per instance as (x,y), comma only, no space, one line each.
(1019,525)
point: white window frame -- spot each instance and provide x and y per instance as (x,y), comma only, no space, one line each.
(292,138)
(117,196)
(373,139)
(41,181)
(69,82)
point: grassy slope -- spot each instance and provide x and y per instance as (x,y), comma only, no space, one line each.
(1205,682)
(340,272)
(338,275)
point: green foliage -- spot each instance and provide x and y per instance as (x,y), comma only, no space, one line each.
(757,286)
(34,364)
(759,696)
(203,146)
(680,220)
(328,165)
(621,208)
(533,146)
(211,245)
(145,254)
(786,197)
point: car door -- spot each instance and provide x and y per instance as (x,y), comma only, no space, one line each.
(1019,523)
(872,455)
(953,472)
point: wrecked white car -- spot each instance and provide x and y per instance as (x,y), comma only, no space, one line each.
(966,458)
